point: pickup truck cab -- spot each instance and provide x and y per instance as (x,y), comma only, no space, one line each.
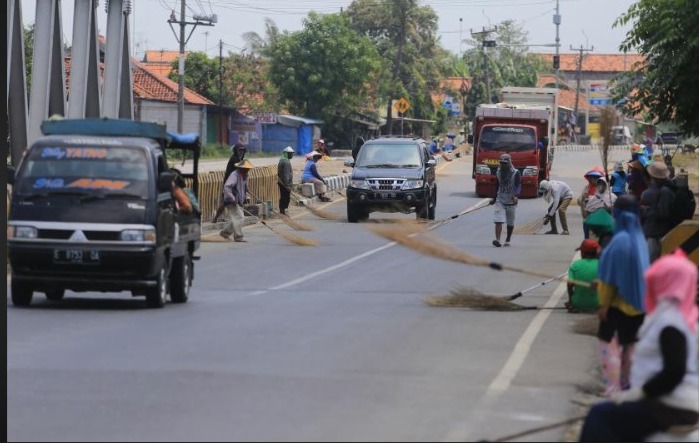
(392,174)
(92,209)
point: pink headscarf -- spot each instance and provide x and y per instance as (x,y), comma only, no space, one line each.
(674,277)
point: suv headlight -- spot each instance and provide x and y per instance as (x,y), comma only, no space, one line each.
(360,184)
(22,232)
(413,184)
(482,169)
(144,235)
(530,171)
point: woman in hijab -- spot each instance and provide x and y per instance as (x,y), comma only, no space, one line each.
(620,287)
(588,191)
(664,379)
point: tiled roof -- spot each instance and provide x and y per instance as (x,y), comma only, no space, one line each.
(159,68)
(566,97)
(162,56)
(452,83)
(596,62)
(151,85)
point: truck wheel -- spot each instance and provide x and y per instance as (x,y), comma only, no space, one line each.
(181,279)
(352,213)
(155,297)
(21,293)
(55,294)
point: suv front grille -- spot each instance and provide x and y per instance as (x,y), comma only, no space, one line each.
(386,184)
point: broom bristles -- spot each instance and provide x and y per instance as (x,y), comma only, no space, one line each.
(530,228)
(465,297)
(440,249)
(294,223)
(296,239)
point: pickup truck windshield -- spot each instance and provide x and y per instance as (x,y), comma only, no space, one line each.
(84,171)
(507,139)
(389,155)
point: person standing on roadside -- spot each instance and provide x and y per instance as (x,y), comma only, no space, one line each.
(618,179)
(285,178)
(588,191)
(559,195)
(620,287)
(664,376)
(311,175)
(508,185)
(234,195)
(237,155)
(658,207)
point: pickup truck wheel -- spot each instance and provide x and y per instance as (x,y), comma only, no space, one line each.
(352,213)
(21,293)
(155,297)
(181,279)
(55,294)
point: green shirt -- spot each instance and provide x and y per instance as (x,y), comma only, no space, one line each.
(584,269)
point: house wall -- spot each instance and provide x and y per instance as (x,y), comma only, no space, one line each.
(193,117)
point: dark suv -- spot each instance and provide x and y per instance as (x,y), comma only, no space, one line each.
(392,174)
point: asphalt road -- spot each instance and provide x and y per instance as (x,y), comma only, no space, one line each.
(328,343)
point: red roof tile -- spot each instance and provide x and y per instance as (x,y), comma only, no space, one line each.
(596,62)
(151,85)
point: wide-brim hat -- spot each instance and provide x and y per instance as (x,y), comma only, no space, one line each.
(314,154)
(244,165)
(658,170)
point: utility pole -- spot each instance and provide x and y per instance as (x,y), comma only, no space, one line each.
(486,43)
(199,20)
(557,67)
(220,86)
(577,75)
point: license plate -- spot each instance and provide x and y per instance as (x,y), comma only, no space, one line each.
(386,195)
(76,256)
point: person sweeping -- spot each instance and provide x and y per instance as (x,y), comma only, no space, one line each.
(559,195)
(285,178)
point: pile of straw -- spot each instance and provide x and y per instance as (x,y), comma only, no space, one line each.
(464,297)
(530,228)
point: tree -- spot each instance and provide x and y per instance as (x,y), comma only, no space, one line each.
(258,45)
(201,74)
(405,35)
(665,83)
(326,70)
(509,64)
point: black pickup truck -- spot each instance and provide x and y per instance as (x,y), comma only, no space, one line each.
(92,209)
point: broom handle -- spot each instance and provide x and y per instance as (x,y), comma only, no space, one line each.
(499,266)
(524,291)
(540,429)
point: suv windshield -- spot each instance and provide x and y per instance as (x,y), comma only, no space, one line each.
(389,155)
(507,138)
(120,171)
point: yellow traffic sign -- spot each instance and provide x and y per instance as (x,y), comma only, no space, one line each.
(402,105)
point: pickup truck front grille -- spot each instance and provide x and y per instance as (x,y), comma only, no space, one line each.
(386,184)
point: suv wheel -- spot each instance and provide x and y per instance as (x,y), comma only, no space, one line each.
(433,208)
(21,293)
(353,215)
(422,212)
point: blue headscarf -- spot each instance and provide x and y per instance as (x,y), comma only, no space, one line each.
(624,261)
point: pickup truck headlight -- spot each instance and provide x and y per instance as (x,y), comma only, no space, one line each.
(22,232)
(143,235)
(482,169)
(530,171)
(413,184)
(360,184)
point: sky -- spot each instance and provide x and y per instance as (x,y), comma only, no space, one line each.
(584,23)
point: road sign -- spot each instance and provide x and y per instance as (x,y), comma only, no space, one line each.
(599,94)
(402,105)
(266,117)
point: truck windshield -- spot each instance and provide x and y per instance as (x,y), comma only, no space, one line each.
(84,171)
(507,138)
(390,155)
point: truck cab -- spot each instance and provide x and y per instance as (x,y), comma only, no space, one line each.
(92,209)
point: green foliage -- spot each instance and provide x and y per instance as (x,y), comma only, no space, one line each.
(507,65)
(201,74)
(326,70)
(665,83)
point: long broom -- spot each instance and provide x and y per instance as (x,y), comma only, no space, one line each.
(286,219)
(295,239)
(317,212)
(440,249)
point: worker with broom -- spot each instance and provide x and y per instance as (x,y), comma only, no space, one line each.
(285,178)
(508,185)
(559,195)
(234,195)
